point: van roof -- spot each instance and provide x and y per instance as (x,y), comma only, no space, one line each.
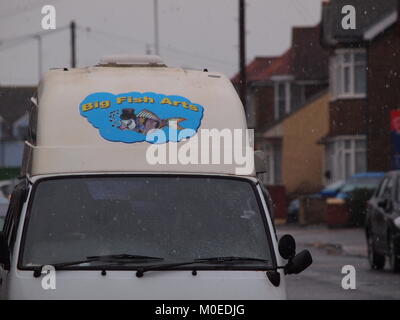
(80,113)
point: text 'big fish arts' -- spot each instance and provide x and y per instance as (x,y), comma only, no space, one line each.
(136,117)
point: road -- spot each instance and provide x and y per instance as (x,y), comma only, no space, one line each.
(331,250)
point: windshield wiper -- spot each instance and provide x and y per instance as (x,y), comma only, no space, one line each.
(119,258)
(227,259)
(123,256)
(211,260)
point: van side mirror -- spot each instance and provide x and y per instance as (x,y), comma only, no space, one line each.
(287,247)
(299,263)
(4,252)
(287,250)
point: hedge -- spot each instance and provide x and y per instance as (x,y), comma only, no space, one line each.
(9,173)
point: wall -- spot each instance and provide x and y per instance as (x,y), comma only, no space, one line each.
(302,156)
(264,100)
(310,59)
(347,117)
(383,95)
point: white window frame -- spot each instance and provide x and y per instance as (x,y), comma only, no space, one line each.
(269,176)
(287,84)
(337,61)
(339,156)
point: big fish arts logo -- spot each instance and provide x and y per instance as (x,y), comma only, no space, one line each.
(136,117)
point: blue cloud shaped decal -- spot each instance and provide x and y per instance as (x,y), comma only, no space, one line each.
(136,117)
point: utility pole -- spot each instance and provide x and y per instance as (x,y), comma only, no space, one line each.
(156,41)
(148,49)
(242,53)
(73,44)
(40,56)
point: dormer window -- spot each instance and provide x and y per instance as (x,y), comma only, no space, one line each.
(348,73)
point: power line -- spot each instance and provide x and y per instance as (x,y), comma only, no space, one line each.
(195,55)
(176,50)
(110,42)
(14,44)
(17,40)
(202,60)
(110,34)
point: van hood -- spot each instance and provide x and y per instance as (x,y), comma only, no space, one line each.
(154,285)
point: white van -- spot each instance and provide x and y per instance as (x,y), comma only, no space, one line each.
(99,215)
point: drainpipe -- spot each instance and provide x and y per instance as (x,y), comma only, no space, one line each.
(367,129)
(2,153)
(1,145)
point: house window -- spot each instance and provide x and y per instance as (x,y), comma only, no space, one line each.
(345,156)
(282,98)
(273,159)
(288,96)
(348,72)
(268,176)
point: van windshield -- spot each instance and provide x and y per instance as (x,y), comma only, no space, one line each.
(162,216)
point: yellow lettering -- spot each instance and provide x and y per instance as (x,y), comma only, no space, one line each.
(193,108)
(87,107)
(121,99)
(104,104)
(148,100)
(137,100)
(165,101)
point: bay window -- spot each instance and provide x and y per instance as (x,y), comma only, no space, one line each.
(348,73)
(345,156)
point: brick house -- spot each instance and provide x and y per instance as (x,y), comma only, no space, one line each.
(364,72)
(278,87)
(301,161)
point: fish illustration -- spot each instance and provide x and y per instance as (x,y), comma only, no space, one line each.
(144,121)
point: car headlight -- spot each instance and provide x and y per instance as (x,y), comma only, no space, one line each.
(397,222)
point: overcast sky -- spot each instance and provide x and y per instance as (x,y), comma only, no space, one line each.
(193,33)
